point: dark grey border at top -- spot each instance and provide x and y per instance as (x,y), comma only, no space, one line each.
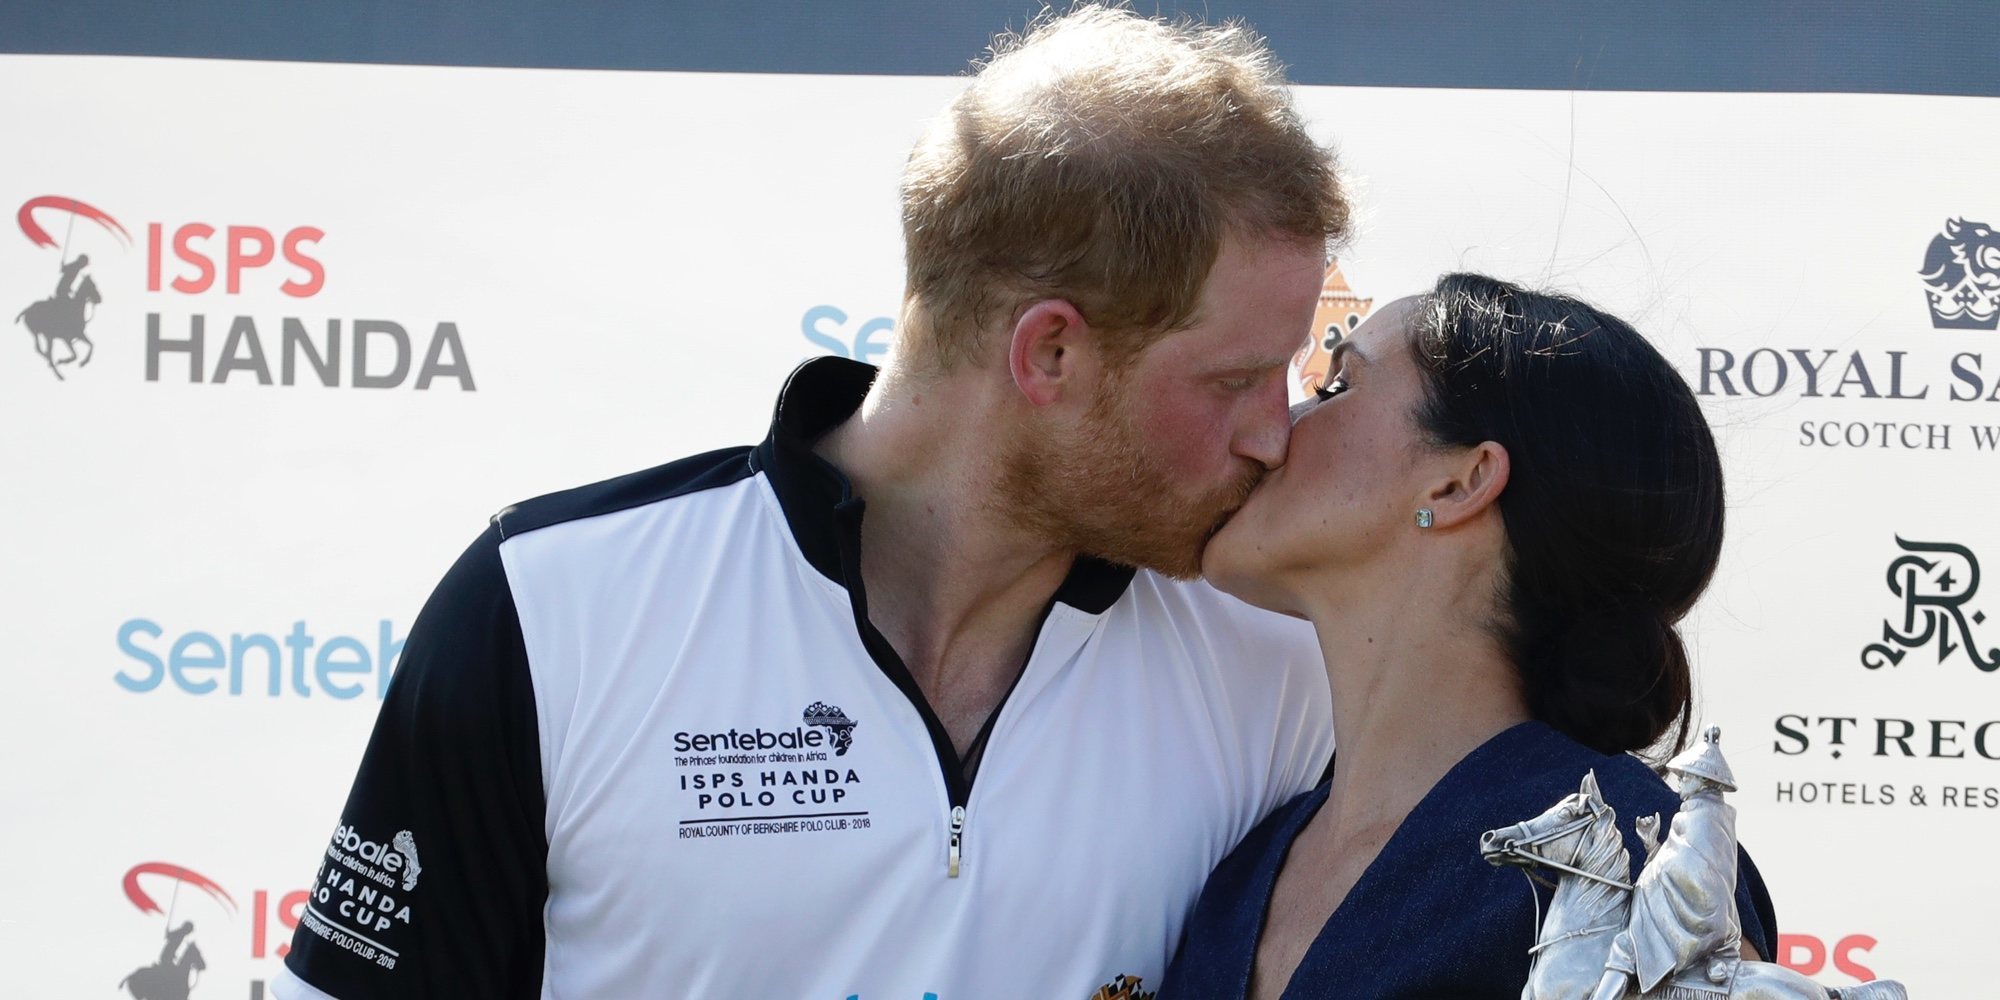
(1893,47)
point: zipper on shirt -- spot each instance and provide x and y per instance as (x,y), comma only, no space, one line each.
(957,788)
(957,783)
(957,840)
(802,481)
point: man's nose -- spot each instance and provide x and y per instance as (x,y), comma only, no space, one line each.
(1264,438)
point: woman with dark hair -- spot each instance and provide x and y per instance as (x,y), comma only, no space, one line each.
(1494,514)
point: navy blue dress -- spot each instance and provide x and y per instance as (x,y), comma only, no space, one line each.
(1429,917)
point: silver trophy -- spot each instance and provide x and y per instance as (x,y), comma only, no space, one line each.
(1672,935)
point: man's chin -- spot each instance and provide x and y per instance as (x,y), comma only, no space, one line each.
(1180,563)
(1180,558)
(1186,568)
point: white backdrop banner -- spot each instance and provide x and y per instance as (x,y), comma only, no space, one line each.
(288,333)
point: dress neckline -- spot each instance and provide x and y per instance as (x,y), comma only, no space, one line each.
(1310,807)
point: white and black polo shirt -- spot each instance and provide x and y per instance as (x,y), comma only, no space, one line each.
(644,742)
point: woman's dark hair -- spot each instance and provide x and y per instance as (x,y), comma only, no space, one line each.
(1613,506)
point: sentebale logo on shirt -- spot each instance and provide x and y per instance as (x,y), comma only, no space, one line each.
(819,715)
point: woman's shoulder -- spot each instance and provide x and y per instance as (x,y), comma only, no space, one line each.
(1532,766)
(1622,778)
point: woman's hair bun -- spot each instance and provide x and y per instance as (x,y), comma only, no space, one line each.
(1613,506)
(1613,679)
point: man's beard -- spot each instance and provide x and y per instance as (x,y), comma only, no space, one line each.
(1100,494)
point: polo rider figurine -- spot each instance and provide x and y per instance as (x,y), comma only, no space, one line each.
(1683,912)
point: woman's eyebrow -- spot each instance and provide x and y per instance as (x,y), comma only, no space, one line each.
(1340,354)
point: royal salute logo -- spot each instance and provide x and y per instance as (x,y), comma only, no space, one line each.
(63,319)
(837,723)
(1962,276)
(1936,581)
(1339,312)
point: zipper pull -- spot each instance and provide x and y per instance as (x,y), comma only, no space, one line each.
(957,838)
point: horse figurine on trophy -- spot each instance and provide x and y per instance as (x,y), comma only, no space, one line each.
(1671,935)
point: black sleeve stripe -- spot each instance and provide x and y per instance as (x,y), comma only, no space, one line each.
(434,882)
(707,471)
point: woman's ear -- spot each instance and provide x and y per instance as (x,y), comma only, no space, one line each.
(1478,477)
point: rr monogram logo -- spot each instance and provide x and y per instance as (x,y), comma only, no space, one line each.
(1935,591)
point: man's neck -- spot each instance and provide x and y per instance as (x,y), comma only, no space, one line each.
(953,584)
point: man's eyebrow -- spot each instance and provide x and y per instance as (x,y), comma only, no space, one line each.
(1251,363)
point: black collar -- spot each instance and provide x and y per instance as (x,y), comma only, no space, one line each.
(819,501)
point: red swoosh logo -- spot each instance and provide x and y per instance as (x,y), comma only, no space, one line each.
(145,903)
(40,237)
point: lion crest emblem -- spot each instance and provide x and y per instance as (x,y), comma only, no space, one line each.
(1962,277)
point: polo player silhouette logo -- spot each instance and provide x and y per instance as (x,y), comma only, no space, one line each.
(1962,276)
(179,968)
(65,315)
(1935,580)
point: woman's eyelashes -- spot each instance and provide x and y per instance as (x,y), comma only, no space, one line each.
(1333,388)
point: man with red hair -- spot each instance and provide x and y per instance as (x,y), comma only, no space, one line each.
(919,696)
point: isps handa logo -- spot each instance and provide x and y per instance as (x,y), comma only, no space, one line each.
(218,304)
(189,908)
(1936,582)
(1962,276)
(180,965)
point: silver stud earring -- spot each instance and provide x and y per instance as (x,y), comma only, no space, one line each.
(1424,517)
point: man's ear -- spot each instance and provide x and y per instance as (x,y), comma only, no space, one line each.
(1044,350)
(1478,475)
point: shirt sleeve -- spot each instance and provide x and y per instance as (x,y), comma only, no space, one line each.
(433,881)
